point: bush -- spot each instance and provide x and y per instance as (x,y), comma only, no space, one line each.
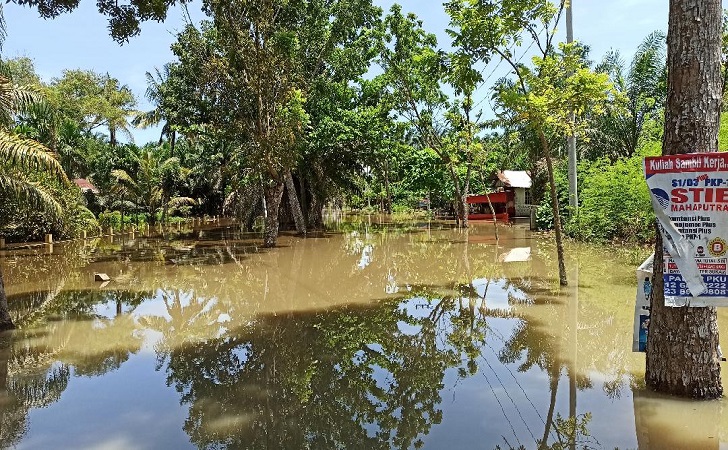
(614,202)
(110,219)
(23,222)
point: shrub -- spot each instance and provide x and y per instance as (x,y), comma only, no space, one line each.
(614,202)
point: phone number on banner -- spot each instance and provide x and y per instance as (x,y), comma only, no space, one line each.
(716,286)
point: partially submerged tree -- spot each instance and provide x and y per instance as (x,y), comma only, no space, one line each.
(416,73)
(550,98)
(18,155)
(151,188)
(682,351)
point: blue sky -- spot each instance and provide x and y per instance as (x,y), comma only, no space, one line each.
(81,39)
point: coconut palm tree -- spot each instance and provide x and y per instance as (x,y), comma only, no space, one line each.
(152,186)
(155,94)
(19,155)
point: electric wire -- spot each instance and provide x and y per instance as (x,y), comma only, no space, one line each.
(518,410)
(513,430)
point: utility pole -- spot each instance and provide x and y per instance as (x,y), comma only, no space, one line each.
(571,140)
(574,204)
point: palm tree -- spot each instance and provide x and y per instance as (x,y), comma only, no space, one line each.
(153,185)
(155,94)
(18,155)
(21,155)
(618,132)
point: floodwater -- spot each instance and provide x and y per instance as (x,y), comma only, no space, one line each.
(368,337)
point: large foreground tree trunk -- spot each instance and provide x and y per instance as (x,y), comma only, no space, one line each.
(273,194)
(6,322)
(682,350)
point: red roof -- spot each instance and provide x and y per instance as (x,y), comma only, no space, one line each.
(85,185)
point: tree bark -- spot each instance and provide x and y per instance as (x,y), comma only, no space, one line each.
(6,322)
(554,208)
(295,205)
(682,349)
(387,190)
(273,194)
(303,200)
(315,213)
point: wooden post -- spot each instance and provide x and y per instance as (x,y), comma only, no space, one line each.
(2,242)
(84,235)
(111,231)
(49,238)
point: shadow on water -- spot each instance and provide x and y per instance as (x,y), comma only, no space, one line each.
(395,338)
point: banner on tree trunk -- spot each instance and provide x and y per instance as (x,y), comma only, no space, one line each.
(642,306)
(690,198)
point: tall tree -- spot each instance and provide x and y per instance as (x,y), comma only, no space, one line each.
(682,352)
(416,71)
(260,81)
(156,93)
(18,155)
(618,132)
(94,101)
(543,97)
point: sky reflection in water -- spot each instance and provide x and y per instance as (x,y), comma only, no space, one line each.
(370,337)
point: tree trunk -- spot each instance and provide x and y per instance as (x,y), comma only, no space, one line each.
(464,202)
(554,208)
(303,201)
(682,350)
(6,322)
(387,190)
(273,193)
(121,225)
(315,213)
(295,206)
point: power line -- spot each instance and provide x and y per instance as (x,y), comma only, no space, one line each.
(496,67)
(509,397)
(513,430)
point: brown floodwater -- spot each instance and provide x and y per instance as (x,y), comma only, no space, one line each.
(373,336)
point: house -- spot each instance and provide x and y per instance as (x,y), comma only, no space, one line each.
(502,203)
(518,182)
(85,185)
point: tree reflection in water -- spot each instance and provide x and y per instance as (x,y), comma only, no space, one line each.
(348,378)
(289,350)
(36,365)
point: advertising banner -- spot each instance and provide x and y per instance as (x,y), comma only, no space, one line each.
(642,306)
(690,198)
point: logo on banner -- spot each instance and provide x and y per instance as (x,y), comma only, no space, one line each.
(662,198)
(717,247)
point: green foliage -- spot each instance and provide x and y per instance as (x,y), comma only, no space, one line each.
(123,19)
(92,100)
(21,223)
(544,214)
(110,219)
(614,202)
(555,95)
(621,128)
(723,133)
